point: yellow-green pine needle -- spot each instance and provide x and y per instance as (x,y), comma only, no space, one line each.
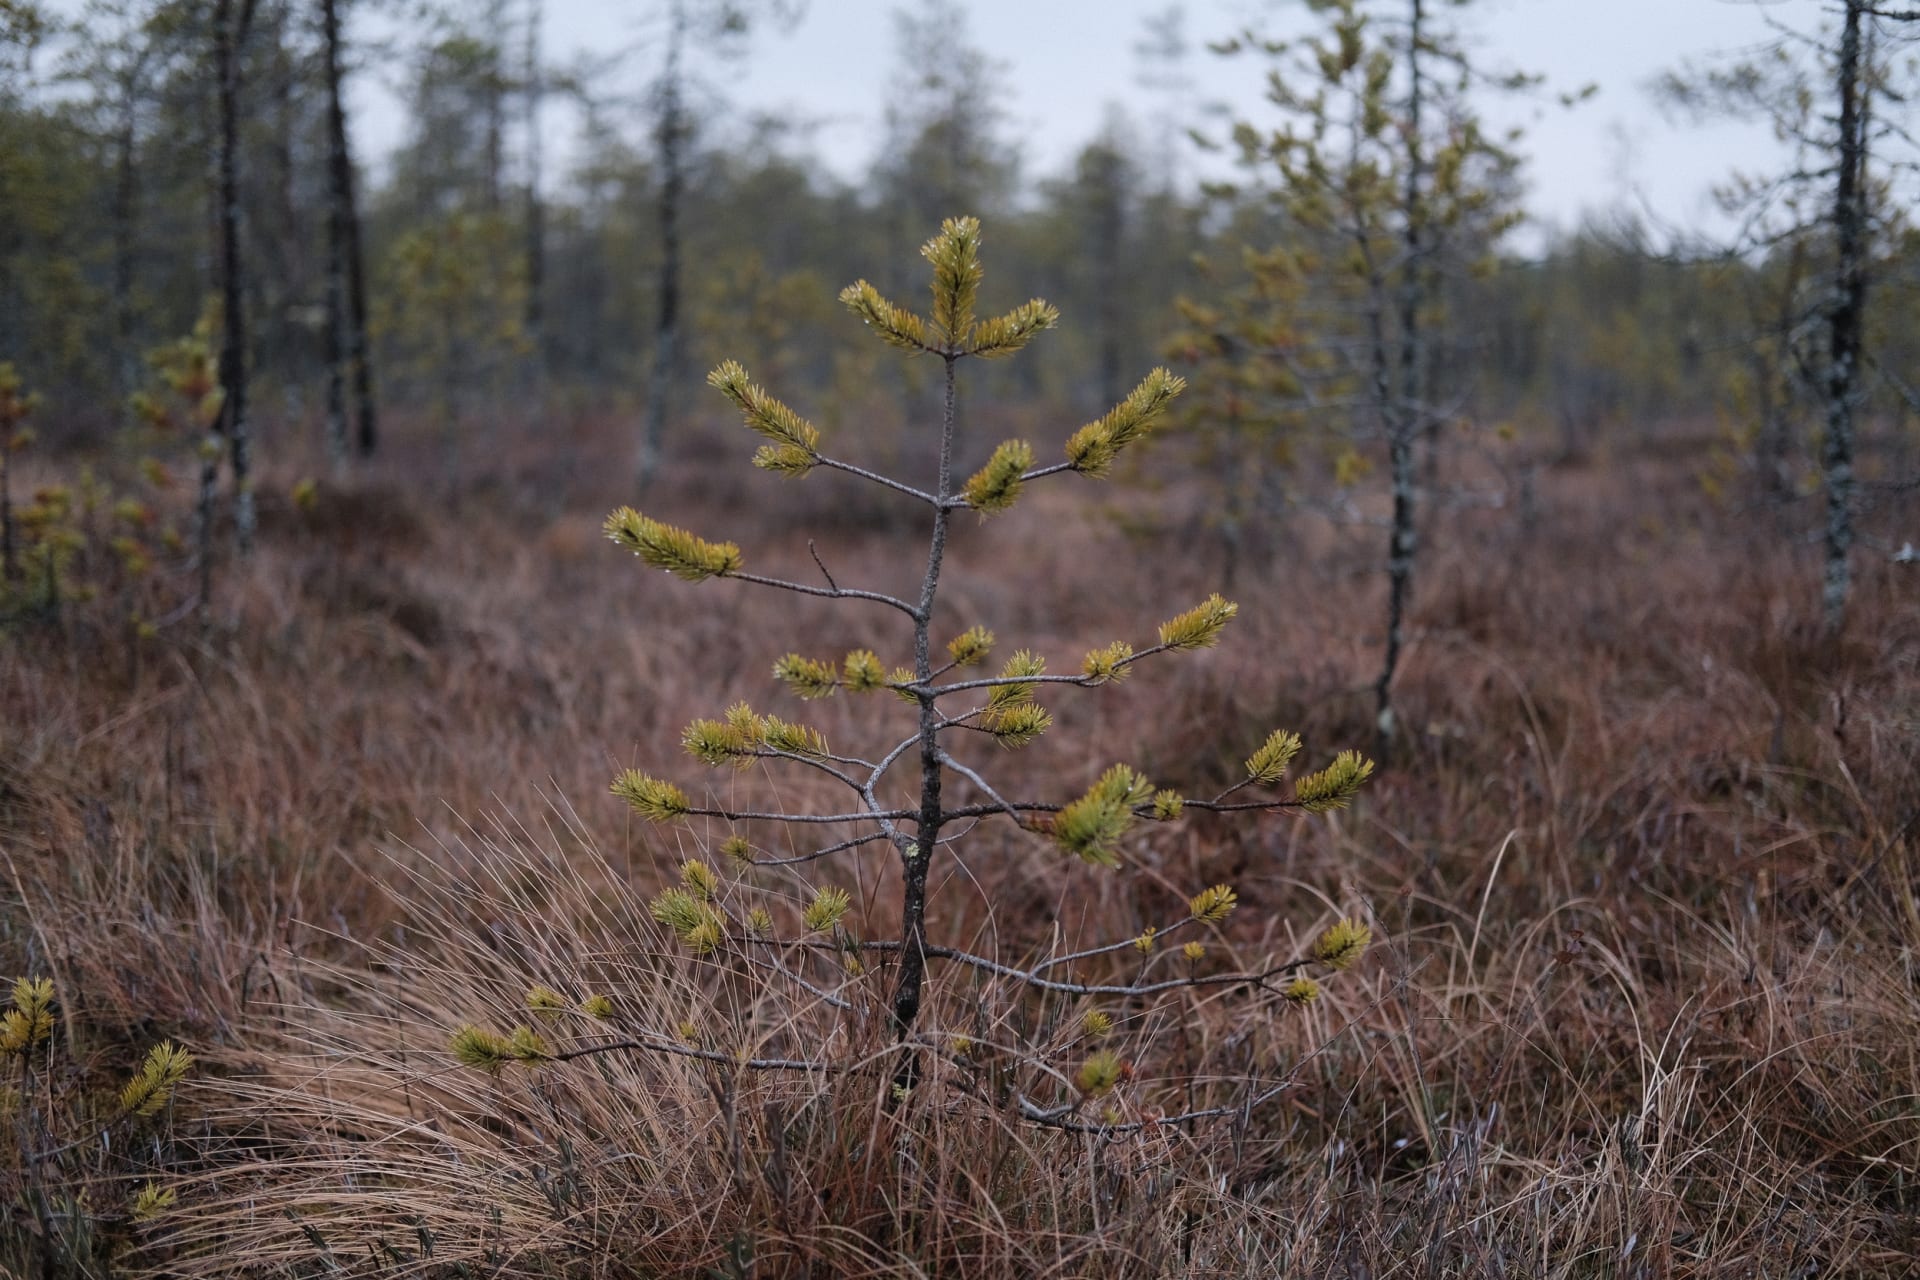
(1097,1022)
(1334,786)
(760,922)
(1017,725)
(738,850)
(1021,665)
(898,679)
(527,1045)
(996,486)
(795,739)
(1194,951)
(651,798)
(1092,449)
(1301,991)
(151,1088)
(741,718)
(1092,826)
(152,1201)
(1168,805)
(810,678)
(955,255)
(546,1000)
(17,1032)
(689,1033)
(1269,764)
(1098,1074)
(898,326)
(30,1021)
(830,902)
(1200,626)
(698,879)
(719,742)
(1145,942)
(971,647)
(479,1048)
(692,920)
(663,546)
(1111,662)
(1211,906)
(1004,335)
(1343,943)
(863,672)
(785,459)
(791,435)
(597,1007)
(705,939)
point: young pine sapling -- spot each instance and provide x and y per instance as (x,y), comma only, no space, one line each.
(730,921)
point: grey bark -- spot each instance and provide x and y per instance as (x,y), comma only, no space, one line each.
(126,199)
(348,367)
(1844,321)
(229,35)
(672,182)
(9,565)
(536,245)
(1403,415)
(918,855)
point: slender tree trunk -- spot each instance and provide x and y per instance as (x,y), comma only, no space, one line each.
(536,248)
(230,31)
(337,321)
(9,563)
(126,193)
(1776,431)
(1844,321)
(1404,418)
(343,238)
(359,351)
(496,102)
(1109,230)
(667,331)
(918,855)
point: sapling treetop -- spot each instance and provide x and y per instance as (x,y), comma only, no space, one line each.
(954,702)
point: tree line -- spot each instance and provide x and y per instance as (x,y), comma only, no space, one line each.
(1349,306)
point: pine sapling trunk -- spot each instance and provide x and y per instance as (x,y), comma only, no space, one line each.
(918,855)
(1843,325)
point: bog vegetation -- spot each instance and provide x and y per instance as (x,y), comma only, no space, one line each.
(1340,743)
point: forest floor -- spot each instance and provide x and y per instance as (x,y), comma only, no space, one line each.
(1644,874)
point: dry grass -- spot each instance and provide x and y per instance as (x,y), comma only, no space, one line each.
(1646,876)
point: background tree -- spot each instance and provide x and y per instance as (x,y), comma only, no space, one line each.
(687,26)
(1384,170)
(451,312)
(232,22)
(349,363)
(1836,211)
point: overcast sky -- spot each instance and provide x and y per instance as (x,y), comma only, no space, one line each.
(1068,60)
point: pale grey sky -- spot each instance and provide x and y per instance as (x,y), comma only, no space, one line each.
(1069,59)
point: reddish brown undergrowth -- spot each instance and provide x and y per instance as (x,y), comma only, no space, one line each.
(1645,871)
